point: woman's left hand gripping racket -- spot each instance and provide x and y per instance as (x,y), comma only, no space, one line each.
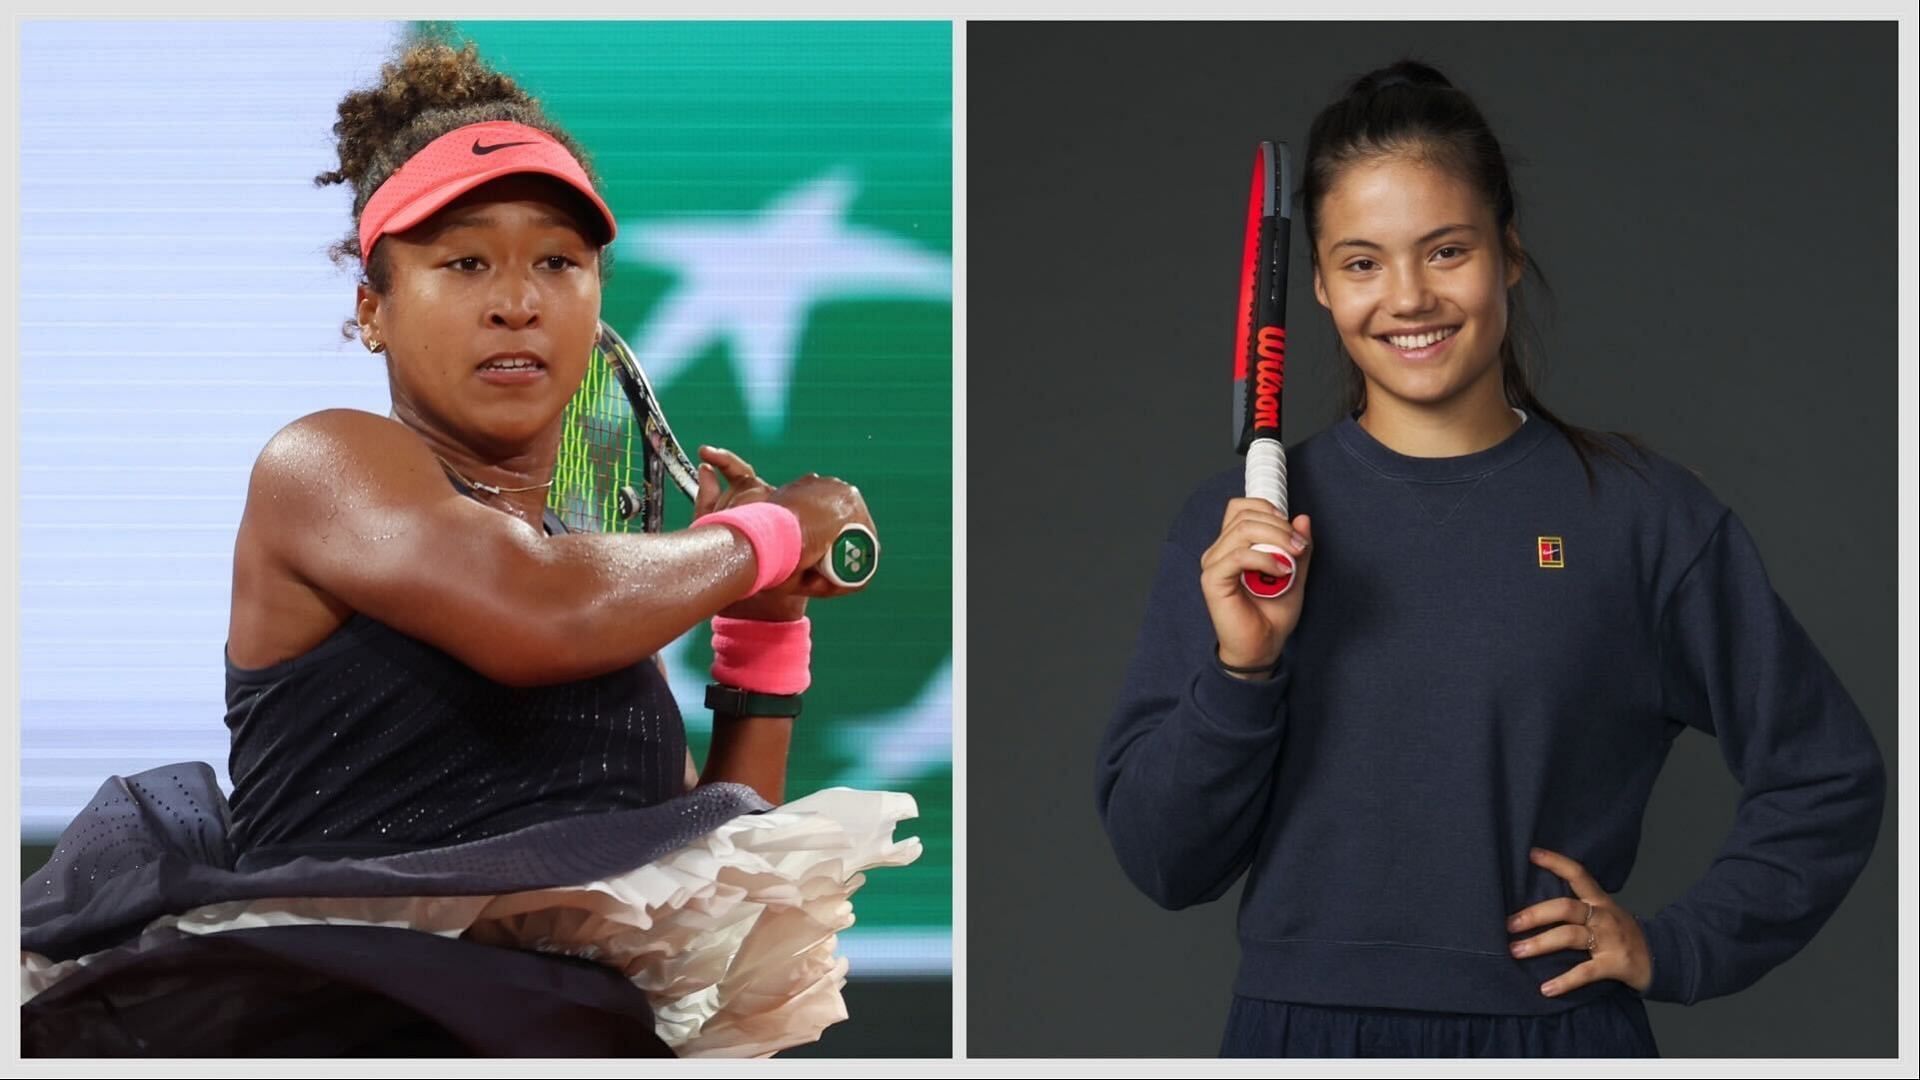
(617,453)
(1260,352)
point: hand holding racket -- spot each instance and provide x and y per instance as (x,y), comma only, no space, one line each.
(617,455)
(823,504)
(1260,355)
(1250,633)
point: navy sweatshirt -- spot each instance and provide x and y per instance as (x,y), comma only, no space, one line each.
(1489,657)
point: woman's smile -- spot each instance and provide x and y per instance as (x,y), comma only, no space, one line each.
(1420,345)
(1415,271)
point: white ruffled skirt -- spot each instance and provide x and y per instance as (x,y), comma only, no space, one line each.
(733,937)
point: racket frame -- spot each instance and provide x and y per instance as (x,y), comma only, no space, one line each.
(1260,351)
(665,459)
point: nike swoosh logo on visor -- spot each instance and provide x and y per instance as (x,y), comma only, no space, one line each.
(478,149)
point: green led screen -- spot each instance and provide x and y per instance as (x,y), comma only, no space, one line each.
(784,273)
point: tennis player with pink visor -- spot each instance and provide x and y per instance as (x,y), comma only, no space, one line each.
(464,815)
(463,159)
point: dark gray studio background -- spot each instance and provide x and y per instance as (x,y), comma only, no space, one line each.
(1715,207)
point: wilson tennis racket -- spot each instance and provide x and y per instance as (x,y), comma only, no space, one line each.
(618,456)
(1260,352)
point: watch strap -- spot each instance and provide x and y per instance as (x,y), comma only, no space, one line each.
(734,701)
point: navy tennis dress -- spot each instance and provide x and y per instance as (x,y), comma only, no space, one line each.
(374,765)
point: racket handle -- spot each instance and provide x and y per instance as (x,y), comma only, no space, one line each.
(1267,479)
(852,559)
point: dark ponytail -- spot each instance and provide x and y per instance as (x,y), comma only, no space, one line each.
(1410,109)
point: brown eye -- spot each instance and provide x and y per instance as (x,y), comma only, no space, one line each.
(1443,252)
(558,262)
(468,263)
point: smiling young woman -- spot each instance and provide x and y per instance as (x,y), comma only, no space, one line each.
(1432,757)
(448,707)
(1422,307)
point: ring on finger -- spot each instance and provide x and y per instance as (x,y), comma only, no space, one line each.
(1588,921)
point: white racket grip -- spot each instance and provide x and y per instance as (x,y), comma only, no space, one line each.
(1267,479)
(1267,474)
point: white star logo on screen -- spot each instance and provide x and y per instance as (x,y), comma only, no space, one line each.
(897,747)
(752,280)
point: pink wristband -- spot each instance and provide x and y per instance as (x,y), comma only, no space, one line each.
(772,530)
(764,657)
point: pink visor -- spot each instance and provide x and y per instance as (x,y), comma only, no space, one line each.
(461,160)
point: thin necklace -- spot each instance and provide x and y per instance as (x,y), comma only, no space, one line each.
(488,488)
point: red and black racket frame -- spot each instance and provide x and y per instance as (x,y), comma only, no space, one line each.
(1260,348)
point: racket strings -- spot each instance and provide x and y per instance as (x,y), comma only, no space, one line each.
(604,480)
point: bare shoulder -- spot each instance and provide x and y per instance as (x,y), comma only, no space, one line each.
(341,453)
(335,491)
(346,511)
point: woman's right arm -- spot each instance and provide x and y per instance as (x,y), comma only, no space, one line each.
(1188,760)
(355,505)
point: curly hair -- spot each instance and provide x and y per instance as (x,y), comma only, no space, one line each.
(429,89)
